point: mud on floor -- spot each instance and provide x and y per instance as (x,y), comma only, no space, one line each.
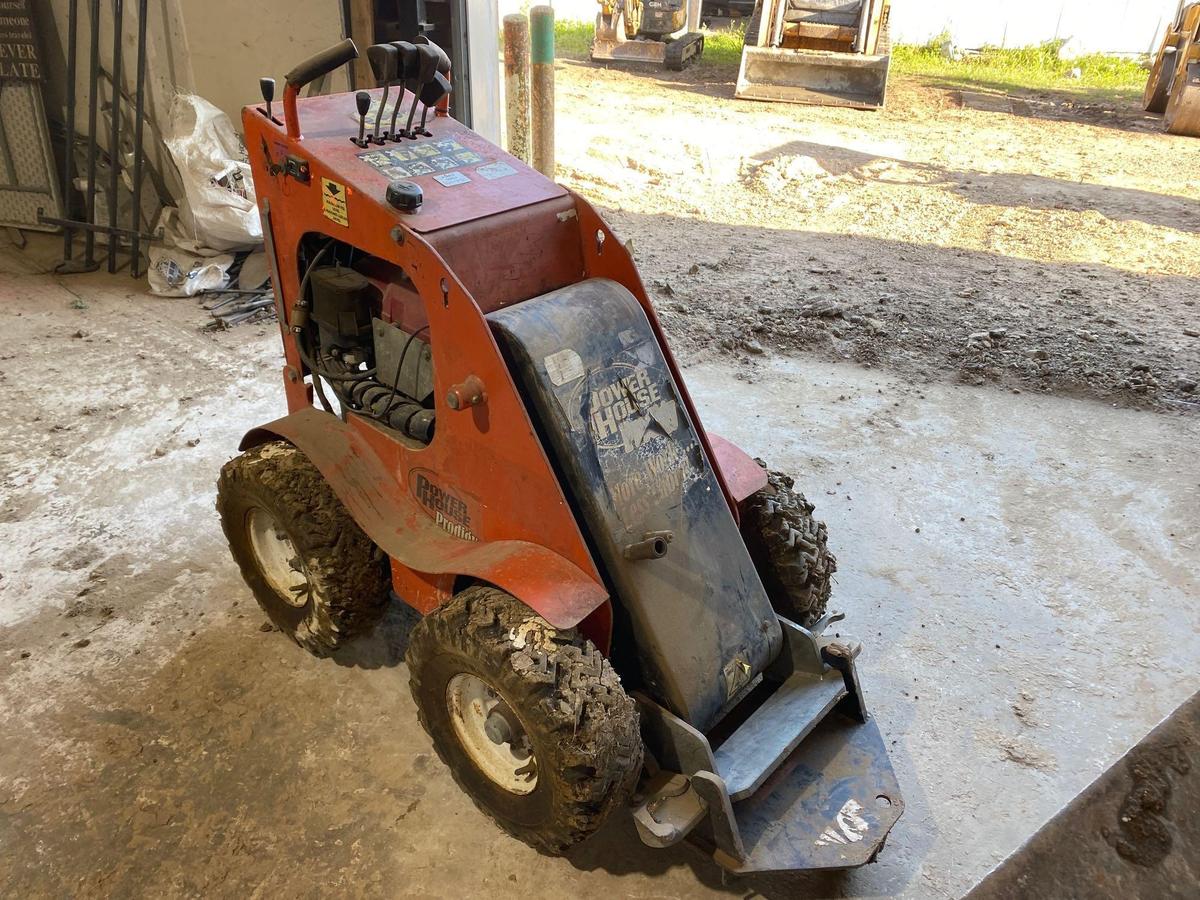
(1051,251)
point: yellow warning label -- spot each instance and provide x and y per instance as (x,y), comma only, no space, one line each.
(333,201)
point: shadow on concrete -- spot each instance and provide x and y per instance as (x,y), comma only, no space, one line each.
(1016,190)
(384,646)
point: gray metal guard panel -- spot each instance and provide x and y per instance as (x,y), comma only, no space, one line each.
(608,410)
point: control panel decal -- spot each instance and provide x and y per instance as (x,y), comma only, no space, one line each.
(495,170)
(450,179)
(422,158)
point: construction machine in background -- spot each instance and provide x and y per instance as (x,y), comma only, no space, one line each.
(657,31)
(1173,88)
(819,52)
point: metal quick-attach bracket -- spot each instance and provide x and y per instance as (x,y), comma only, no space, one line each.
(770,769)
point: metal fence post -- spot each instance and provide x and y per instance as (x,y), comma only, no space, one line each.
(516,84)
(541,42)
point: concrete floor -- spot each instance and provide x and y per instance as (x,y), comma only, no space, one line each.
(1022,569)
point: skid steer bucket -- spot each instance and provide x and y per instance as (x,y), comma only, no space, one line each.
(817,52)
(815,77)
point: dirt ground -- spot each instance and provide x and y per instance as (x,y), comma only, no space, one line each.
(1052,248)
(834,264)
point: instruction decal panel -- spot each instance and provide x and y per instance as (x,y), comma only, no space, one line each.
(421,158)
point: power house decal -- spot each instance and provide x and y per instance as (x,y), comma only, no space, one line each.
(454,512)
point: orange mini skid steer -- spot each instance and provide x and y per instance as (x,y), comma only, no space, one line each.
(619,610)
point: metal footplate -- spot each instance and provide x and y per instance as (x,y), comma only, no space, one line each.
(804,782)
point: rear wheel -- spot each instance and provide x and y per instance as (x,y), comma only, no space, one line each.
(790,549)
(1158,84)
(532,722)
(318,578)
(1182,114)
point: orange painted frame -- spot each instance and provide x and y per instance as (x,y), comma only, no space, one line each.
(489,453)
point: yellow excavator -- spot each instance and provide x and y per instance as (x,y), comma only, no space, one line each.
(819,52)
(1173,88)
(656,31)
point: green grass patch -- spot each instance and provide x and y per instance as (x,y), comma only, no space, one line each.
(573,40)
(1033,68)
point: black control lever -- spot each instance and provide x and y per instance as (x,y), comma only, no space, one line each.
(439,87)
(410,65)
(267,86)
(363,101)
(430,96)
(425,74)
(384,60)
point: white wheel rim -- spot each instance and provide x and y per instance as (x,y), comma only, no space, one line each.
(491,733)
(277,559)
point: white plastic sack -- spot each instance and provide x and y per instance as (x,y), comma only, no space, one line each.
(181,268)
(218,206)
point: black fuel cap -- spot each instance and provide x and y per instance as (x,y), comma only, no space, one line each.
(405,196)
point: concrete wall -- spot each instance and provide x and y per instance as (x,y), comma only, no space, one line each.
(1122,26)
(233,43)
(215,48)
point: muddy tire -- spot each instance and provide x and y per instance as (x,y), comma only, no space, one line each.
(790,549)
(1182,113)
(318,578)
(532,722)
(1158,83)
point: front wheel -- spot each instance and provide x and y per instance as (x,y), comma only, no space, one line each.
(318,578)
(790,549)
(532,722)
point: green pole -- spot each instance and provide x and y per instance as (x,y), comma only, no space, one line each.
(541,43)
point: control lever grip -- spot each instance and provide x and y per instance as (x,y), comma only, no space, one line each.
(425,74)
(311,69)
(435,90)
(384,60)
(409,59)
(322,64)
(443,65)
(443,106)
(406,72)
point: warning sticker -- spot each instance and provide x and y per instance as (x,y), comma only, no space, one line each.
(333,201)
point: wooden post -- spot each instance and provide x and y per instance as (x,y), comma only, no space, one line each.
(516,84)
(362,30)
(541,43)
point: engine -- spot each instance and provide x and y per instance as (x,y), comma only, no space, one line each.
(363,333)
